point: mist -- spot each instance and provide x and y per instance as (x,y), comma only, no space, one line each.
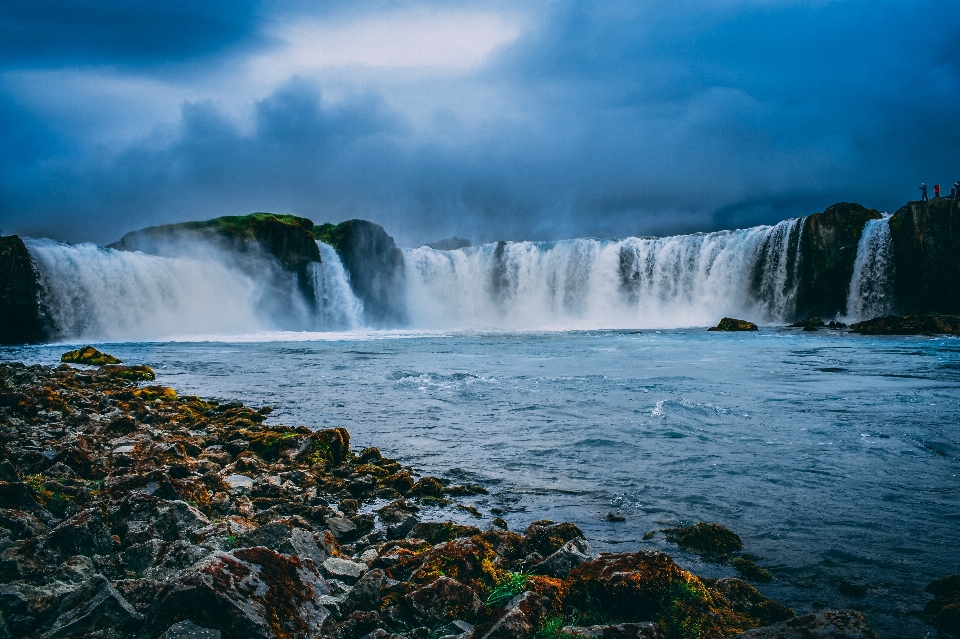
(486,121)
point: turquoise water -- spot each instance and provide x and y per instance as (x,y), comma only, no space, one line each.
(835,457)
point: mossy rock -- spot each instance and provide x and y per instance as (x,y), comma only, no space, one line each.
(649,585)
(705,538)
(129,373)
(811,324)
(270,443)
(909,325)
(733,324)
(436,532)
(429,487)
(327,446)
(90,356)
(945,608)
(750,570)
(545,537)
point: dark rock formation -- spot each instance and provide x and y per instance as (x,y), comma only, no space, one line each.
(945,608)
(732,324)
(828,624)
(90,356)
(375,266)
(286,237)
(810,324)
(22,319)
(705,538)
(828,249)
(926,256)
(909,325)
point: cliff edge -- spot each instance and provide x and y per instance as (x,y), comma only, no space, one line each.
(926,256)
(21,314)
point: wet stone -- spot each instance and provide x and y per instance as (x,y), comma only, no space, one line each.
(343,569)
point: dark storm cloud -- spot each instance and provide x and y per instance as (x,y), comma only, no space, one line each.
(119,32)
(608,119)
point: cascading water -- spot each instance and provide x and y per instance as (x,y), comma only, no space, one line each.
(104,294)
(193,290)
(871,285)
(684,280)
(337,307)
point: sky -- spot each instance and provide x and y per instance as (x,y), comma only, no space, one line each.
(535,120)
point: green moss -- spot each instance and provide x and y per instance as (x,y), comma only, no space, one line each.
(733,324)
(89,355)
(751,570)
(704,538)
(336,235)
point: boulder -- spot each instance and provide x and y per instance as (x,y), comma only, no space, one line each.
(545,537)
(23,319)
(367,593)
(827,624)
(731,324)
(250,592)
(441,599)
(286,539)
(705,538)
(909,325)
(90,356)
(566,558)
(648,630)
(85,533)
(811,324)
(435,532)
(522,617)
(649,586)
(945,608)
(188,630)
(95,606)
(343,569)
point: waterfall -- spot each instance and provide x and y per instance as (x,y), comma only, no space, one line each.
(337,307)
(687,280)
(871,284)
(103,294)
(193,290)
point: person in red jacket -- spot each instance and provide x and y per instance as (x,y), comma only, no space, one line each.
(936,191)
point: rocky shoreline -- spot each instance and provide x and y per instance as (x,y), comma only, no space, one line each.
(127,510)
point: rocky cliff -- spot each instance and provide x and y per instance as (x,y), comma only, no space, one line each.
(926,256)
(21,315)
(375,266)
(828,250)
(286,237)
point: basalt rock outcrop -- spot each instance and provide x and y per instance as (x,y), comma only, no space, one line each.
(286,238)
(828,251)
(128,510)
(926,256)
(375,266)
(22,319)
(909,325)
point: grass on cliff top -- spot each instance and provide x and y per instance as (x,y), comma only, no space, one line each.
(242,226)
(334,235)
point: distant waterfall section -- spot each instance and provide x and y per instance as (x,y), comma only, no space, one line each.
(337,307)
(686,280)
(871,287)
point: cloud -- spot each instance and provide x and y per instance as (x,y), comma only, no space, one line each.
(574,118)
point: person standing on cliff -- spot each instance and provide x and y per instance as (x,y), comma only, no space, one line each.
(923,192)
(936,191)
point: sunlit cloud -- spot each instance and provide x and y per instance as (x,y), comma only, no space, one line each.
(442,40)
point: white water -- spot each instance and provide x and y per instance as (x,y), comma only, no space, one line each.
(687,280)
(871,284)
(99,294)
(337,307)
